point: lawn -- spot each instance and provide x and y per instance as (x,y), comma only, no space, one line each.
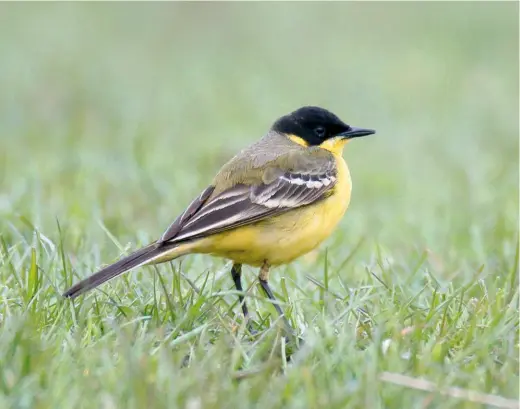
(114,116)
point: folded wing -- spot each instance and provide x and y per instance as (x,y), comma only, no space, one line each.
(280,191)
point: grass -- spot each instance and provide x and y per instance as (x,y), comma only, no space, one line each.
(114,116)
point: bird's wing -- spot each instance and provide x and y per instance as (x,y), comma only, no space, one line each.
(288,182)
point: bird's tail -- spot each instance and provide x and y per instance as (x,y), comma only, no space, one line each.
(147,255)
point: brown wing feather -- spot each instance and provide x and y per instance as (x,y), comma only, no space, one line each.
(243,204)
(177,225)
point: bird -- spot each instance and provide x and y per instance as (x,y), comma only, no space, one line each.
(273,202)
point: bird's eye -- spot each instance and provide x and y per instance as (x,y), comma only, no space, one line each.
(319,131)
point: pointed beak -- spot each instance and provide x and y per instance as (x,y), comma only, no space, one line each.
(354,132)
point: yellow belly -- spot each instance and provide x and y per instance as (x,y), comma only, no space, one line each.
(284,238)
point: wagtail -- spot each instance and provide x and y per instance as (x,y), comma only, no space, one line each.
(273,202)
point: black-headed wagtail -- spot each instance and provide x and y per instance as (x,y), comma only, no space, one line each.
(273,202)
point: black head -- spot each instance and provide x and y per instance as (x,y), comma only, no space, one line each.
(315,125)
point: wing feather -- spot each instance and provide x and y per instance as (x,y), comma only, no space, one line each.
(244,204)
(192,209)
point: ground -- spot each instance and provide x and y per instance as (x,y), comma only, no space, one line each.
(114,116)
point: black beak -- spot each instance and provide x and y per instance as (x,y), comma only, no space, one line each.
(354,132)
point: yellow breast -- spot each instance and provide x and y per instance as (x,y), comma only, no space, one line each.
(284,238)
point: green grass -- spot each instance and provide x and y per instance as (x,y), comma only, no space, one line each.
(114,116)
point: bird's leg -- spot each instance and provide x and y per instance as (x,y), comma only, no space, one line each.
(263,277)
(236,273)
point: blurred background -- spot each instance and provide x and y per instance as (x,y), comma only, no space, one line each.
(116,115)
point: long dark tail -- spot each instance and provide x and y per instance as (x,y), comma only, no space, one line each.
(140,257)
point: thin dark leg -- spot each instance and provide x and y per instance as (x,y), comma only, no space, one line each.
(236,273)
(270,295)
(263,278)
